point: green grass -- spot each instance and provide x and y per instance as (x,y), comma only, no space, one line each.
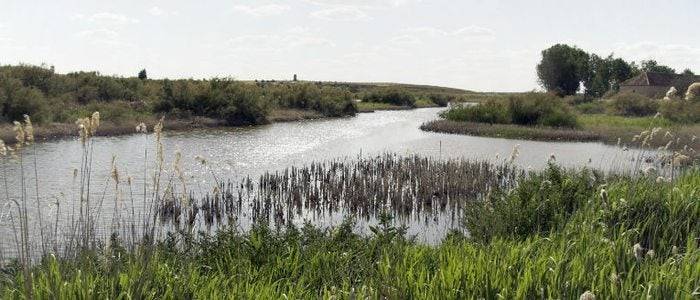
(586,245)
(372,106)
(637,123)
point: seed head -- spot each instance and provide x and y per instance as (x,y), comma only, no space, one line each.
(28,129)
(141,128)
(638,251)
(588,295)
(115,172)
(94,122)
(19,134)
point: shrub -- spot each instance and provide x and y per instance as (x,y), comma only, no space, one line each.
(393,96)
(491,111)
(631,104)
(17,100)
(681,111)
(441,100)
(525,109)
(596,107)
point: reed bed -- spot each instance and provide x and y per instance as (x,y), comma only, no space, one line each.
(405,187)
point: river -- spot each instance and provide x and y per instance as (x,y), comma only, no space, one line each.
(234,153)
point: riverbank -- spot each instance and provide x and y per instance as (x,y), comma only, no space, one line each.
(55,131)
(612,130)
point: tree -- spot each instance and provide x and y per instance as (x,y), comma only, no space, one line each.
(563,68)
(688,72)
(653,66)
(143,75)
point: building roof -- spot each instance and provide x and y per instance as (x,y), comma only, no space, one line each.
(658,79)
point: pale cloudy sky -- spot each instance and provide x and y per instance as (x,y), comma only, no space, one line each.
(485,45)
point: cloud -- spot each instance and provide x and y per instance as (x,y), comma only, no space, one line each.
(468,33)
(679,56)
(293,38)
(406,39)
(263,10)
(106,18)
(363,3)
(159,12)
(103,36)
(341,13)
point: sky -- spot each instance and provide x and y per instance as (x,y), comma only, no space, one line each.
(481,45)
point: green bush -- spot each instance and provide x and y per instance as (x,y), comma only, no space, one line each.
(393,96)
(442,100)
(632,104)
(491,111)
(17,100)
(682,111)
(526,109)
(596,107)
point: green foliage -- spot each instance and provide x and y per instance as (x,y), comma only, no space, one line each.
(143,75)
(491,111)
(526,109)
(32,89)
(606,74)
(442,100)
(391,95)
(632,104)
(562,69)
(17,100)
(681,111)
(653,66)
(540,204)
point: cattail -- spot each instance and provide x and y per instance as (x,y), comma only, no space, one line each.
(671,93)
(515,153)
(84,129)
(587,295)
(693,91)
(141,128)
(604,197)
(19,134)
(94,122)
(668,145)
(638,251)
(28,129)
(680,159)
(115,172)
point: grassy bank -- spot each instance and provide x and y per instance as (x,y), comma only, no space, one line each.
(559,234)
(611,130)
(545,117)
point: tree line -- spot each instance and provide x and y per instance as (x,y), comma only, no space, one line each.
(564,69)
